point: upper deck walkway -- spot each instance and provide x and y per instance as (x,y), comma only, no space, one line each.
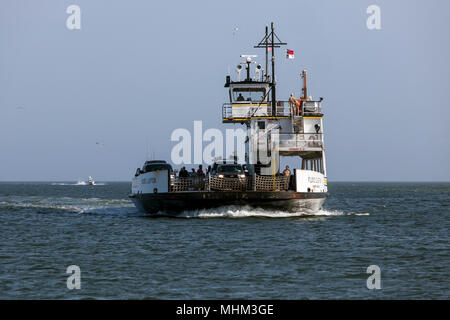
(246,110)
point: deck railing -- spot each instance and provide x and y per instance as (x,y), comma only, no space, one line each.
(187,184)
(271,183)
(215,183)
(248,109)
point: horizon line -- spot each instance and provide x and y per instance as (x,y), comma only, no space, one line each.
(355,181)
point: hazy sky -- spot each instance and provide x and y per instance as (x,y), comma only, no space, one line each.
(137,70)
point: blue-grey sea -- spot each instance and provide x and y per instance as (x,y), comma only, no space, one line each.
(228,253)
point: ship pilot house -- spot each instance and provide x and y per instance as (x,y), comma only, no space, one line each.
(292,127)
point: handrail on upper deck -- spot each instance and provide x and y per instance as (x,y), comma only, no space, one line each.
(264,109)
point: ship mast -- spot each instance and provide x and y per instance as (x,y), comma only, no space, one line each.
(267,52)
(269,40)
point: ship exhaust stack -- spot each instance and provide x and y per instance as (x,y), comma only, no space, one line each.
(304,90)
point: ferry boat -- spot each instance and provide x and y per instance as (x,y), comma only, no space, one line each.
(277,128)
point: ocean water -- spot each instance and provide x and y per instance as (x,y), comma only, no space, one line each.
(228,253)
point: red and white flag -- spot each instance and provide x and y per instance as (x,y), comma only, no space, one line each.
(289,54)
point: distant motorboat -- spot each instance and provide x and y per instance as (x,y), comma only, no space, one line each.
(90,181)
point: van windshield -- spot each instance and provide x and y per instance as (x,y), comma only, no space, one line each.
(232,168)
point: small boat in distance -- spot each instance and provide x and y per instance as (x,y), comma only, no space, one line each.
(90,181)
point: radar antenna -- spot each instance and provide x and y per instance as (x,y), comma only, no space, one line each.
(248,61)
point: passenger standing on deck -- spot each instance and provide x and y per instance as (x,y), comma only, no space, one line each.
(200,178)
(292,106)
(200,172)
(287,172)
(183,173)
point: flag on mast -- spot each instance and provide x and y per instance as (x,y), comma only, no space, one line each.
(289,54)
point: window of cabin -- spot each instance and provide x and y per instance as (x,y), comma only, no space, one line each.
(249,94)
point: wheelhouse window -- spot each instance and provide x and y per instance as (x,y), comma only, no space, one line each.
(249,94)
